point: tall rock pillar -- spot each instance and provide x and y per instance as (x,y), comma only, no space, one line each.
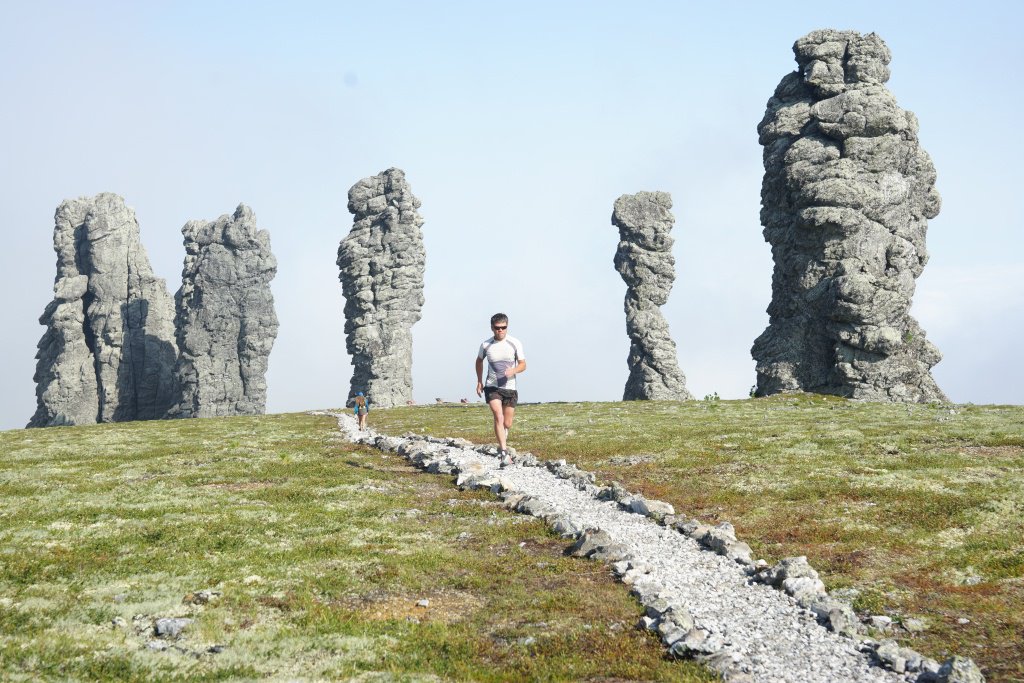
(381,264)
(846,199)
(108,352)
(644,260)
(226,323)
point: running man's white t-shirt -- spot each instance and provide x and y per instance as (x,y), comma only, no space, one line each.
(501,355)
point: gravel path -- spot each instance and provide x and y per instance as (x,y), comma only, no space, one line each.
(707,605)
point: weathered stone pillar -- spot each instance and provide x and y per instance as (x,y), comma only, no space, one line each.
(381,264)
(644,260)
(108,351)
(846,199)
(226,324)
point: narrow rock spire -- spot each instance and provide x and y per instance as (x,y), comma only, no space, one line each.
(644,260)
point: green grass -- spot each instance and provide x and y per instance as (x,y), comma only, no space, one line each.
(918,508)
(320,550)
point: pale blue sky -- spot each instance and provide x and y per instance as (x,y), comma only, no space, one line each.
(518,126)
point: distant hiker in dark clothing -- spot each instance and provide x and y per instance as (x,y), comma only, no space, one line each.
(361,407)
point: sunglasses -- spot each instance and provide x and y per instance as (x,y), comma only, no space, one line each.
(499,328)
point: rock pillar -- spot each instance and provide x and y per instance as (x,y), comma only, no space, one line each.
(644,260)
(108,352)
(381,264)
(226,324)
(846,199)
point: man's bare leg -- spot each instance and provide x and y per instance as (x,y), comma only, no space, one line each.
(499,421)
(508,413)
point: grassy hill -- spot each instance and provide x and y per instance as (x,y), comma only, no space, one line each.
(315,553)
(297,556)
(918,510)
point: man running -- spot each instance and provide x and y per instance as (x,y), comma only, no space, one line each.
(505,360)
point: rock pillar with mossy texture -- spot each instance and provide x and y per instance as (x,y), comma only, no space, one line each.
(846,199)
(226,323)
(381,264)
(108,352)
(644,260)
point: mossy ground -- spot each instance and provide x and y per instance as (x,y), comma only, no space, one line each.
(321,552)
(919,508)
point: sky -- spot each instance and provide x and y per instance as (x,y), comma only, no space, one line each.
(517,125)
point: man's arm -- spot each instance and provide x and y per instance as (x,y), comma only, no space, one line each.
(520,357)
(512,372)
(479,376)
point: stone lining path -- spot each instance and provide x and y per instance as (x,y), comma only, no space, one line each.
(703,604)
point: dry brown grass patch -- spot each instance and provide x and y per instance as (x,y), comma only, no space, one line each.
(444,606)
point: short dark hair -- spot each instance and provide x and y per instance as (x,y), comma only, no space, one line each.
(498,318)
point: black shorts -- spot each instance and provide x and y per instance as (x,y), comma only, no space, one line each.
(509,397)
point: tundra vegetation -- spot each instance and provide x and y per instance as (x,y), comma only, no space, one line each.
(912,511)
(296,555)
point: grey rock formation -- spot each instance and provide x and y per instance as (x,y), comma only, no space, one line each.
(108,351)
(846,199)
(644,260)
(381,264)
(225,322)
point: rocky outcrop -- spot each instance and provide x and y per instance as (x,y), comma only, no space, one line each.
(846,199)
(644,260)
(382,262)
(108,352)
(225,322)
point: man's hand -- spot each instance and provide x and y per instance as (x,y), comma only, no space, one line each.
(479,367)
(516,369)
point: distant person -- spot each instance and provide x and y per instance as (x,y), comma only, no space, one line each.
(361,408)
(505,360)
